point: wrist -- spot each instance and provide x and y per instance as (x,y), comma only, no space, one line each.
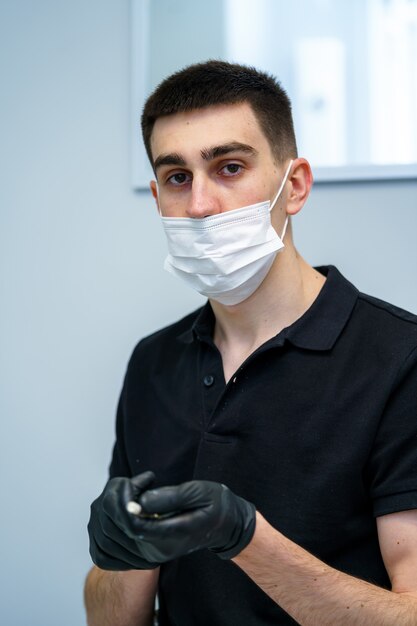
(242,532)
(259,543)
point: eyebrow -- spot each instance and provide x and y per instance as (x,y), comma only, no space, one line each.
(168,159)
(208,154)
(235,146)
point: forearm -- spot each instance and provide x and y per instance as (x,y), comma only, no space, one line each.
(120,598)
(314,593)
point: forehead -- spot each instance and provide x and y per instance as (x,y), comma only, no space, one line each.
(192,131)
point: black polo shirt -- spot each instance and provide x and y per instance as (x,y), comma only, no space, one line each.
(318,428)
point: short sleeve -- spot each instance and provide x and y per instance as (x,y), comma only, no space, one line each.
(393,463)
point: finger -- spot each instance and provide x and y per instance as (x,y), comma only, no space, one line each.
(104,560)
(120,561)
(140,482)
(172,499)
(163,500)
(116,544)
(130,491)
(120,491)
(180,524)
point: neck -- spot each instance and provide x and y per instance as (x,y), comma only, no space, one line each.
(287,292)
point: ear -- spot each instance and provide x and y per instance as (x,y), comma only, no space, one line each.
(301,181)
(154,192)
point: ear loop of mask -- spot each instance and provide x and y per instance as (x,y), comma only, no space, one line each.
(284,180)
(157,198)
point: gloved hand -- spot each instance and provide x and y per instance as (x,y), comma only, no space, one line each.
(204,515)
(111,548)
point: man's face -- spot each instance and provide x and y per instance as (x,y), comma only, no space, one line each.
(212,160)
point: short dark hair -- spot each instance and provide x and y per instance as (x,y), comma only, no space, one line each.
(217,82)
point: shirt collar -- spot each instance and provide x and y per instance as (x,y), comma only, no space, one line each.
(202,327)
(321,325)
(317,329)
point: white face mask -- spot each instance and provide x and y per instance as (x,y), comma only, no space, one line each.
(225,256)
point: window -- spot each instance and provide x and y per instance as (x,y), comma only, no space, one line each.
(349,67)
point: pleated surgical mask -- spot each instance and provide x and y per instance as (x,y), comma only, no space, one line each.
(226,256)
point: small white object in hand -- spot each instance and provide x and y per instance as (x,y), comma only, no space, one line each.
(133,507)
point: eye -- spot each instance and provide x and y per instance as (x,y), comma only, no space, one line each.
(178,179)
(231,169)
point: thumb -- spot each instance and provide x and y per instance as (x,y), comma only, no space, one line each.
(184,497)
(140,482)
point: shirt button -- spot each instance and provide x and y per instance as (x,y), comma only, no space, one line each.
(208,380)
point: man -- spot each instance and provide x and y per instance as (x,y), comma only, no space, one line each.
(265,467)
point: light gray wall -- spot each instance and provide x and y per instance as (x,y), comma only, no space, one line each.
(81,282)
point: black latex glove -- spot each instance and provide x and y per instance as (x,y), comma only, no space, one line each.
(204,515)
(111,548)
